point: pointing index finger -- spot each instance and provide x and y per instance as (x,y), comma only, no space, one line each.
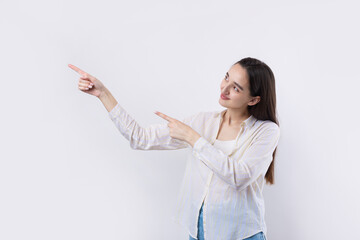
(76,69)
(164,116)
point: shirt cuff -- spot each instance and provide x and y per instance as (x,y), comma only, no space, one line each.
(114,112)
(199,144)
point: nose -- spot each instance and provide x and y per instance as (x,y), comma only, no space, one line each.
(225,90)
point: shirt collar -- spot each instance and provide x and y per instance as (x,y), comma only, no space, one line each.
(248,123)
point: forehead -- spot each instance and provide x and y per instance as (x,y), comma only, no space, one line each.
(238,74)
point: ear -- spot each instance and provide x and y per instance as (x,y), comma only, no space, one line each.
(254,101)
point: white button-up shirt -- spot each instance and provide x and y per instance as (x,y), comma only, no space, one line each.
(230,185)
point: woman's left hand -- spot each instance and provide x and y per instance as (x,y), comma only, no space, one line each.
(180,130)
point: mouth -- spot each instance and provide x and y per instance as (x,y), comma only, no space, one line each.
(223,97)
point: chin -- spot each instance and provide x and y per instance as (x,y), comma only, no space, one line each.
(222,103)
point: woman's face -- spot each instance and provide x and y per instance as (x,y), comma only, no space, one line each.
(235,87)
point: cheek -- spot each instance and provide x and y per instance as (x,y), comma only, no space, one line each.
(235,97)
(222,85)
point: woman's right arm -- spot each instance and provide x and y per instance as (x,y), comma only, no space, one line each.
(153,137)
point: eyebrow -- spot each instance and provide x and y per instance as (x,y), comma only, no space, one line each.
(242,89)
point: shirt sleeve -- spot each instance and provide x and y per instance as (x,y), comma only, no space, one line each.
(153,137)
(240,173)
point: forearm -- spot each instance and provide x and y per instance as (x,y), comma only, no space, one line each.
(152,137)
(108,100)
(240,170)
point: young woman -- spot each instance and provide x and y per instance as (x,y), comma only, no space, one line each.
(232,152)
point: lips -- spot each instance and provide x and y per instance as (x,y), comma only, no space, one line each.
(223,97)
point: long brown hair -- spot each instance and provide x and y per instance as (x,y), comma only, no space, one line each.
(262,83)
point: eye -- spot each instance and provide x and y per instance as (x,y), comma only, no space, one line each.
(237,89)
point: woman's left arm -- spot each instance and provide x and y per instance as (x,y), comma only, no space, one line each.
(240,173)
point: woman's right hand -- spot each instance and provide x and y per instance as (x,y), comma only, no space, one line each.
(88,83)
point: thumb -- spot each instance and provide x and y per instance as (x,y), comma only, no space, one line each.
(86,78)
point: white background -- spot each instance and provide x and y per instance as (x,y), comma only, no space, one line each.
(67,173)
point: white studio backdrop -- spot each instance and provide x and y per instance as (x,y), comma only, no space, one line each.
(67,173)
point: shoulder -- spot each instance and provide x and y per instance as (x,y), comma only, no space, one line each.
(210,114)
(197,117)
(207,115)
(202,118)
(266,127)
(266,124)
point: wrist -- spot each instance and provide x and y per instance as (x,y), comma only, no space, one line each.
(193,138)
(104,94)
(107,99)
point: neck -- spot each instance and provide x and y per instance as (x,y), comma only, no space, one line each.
(234,117)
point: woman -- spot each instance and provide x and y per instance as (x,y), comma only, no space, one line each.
(232,152)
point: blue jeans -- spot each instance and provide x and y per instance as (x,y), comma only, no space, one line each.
(200,236)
